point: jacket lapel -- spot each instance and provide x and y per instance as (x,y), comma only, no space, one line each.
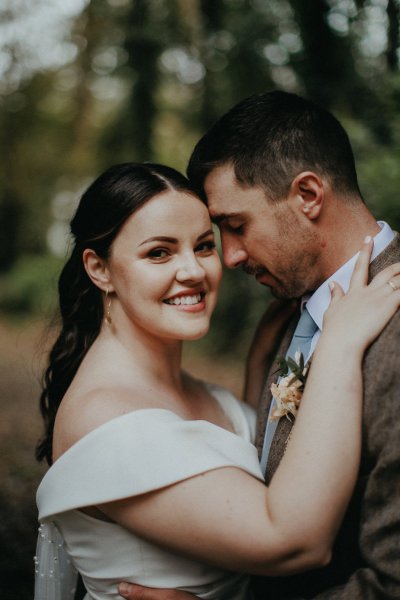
(389,256)
(266,396)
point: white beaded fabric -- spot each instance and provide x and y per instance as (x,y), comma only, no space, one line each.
(55,575)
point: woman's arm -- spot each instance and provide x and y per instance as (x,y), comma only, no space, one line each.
(226,517)
(263,347)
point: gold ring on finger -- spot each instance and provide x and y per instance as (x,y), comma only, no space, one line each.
(392,285)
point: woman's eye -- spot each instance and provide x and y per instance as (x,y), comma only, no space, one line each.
(206,247)
(158,253)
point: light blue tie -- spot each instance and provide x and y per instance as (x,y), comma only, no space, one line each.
(304,333)
(301,342)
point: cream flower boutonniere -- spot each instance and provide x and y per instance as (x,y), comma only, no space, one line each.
(289,390)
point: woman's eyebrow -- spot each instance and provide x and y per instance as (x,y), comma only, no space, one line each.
(160,238)
(171,240)
(205,234)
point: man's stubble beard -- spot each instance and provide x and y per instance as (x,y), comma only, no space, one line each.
(297,274)
(294,284)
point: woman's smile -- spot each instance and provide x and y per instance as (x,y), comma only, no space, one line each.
(188,301)
(164,265)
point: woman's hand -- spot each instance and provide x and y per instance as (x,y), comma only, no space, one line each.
(358,317)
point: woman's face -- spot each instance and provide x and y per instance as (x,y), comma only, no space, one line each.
(164,268)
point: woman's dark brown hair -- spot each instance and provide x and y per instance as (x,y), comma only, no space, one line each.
(103,209)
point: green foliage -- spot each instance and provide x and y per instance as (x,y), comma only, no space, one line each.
(380,179)
(30,288)
(289,365)
(147,77)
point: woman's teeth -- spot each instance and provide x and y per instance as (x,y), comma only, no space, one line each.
(184,300)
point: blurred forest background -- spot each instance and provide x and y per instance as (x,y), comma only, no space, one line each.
(85,84)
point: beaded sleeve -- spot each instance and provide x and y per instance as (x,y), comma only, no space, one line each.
(55,575)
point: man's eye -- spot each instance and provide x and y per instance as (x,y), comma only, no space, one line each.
(206,246)
(236,228)
(158,253)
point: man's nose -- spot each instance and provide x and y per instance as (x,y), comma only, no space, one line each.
(233,253)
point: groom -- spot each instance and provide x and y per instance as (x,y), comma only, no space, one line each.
(279,179)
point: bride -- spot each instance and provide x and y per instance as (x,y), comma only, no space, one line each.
(154,478)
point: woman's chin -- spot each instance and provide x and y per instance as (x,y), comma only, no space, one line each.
(196,335)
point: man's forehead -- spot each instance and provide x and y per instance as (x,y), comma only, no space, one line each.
(218,181)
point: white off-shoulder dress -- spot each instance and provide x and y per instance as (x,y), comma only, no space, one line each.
(135,453)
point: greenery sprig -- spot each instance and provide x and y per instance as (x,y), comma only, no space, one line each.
(294,366)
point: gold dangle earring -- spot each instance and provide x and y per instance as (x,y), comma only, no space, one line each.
(108,318)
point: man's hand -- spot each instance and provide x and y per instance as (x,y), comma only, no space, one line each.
(131,591)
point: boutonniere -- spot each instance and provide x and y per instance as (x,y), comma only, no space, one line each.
(289,390)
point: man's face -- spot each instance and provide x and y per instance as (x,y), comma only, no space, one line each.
(272,241)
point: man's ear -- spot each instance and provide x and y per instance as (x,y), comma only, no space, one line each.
(307,191)
(97,270)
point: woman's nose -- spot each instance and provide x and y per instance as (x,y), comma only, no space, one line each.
(190,269)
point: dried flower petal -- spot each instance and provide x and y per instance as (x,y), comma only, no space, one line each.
(289,389)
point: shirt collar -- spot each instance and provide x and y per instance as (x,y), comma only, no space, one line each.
(319,301)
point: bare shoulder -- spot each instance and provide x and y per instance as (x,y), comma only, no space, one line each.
(81,413)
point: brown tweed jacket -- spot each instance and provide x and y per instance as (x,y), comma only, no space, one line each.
(366,555)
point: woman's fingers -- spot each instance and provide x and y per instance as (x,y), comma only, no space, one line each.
(394,282)
(388,274)
(366,309)
(360,273)
(392,290)
(336,291)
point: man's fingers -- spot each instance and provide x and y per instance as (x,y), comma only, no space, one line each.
(126,590)
(360,273)
(131,591)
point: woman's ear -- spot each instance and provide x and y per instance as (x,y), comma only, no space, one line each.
(307,191)
(97,270)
